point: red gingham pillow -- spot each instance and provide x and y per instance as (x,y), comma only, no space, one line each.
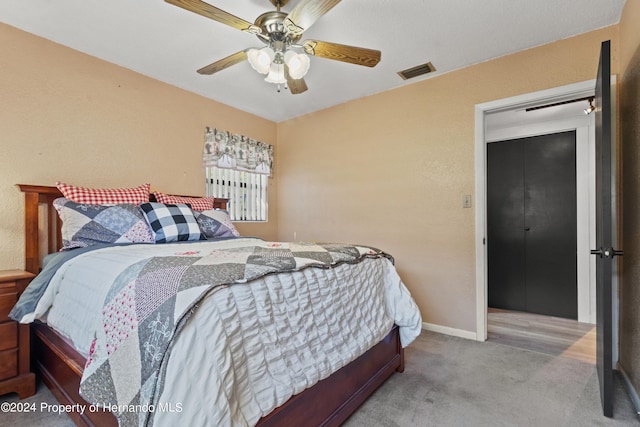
(197,203)
(105,196)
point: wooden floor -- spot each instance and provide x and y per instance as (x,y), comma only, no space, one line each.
(544,334)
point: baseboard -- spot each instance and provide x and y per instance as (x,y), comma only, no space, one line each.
(631,390)
(449,331)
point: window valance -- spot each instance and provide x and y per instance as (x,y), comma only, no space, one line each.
(231,151)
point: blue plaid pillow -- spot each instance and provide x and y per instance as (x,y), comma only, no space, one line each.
(171,223)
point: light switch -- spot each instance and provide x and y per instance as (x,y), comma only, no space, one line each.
(466,201)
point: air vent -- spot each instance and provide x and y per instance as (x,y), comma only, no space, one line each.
(416,71)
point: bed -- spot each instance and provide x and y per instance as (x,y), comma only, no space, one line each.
(328,401)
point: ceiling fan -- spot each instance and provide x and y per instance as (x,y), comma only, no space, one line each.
(283,59)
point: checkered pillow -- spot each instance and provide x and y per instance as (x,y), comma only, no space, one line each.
(105,196)
(197,203)
(171,222)
(86,225)
(216,223)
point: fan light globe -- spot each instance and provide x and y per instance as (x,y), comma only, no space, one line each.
(276,74)
(261,59)
(298,64)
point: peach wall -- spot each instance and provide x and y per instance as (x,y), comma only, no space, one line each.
(391,170)
(68,116)
(630,142)
(629,32)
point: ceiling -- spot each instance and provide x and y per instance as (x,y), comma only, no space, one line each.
(169,44)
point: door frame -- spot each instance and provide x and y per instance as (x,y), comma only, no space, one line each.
(585,165)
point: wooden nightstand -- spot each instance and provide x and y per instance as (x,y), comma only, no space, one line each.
(15,375)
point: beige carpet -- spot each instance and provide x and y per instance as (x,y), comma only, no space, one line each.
(451,381)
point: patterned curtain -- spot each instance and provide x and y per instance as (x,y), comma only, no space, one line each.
(225,150)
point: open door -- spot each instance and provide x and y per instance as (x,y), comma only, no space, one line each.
(605,237)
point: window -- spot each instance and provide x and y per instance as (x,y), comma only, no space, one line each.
(238,168)
(246,191)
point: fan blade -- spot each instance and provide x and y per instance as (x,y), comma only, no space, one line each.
(212,12)
(341,52)
(295,86)
(306,13)
(224,63)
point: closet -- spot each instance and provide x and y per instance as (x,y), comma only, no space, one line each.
(531,224)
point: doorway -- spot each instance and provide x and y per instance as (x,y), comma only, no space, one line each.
(531,224)
(547,121)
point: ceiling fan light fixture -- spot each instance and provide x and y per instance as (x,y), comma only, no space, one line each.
(261,59)
(280,32)
(276,74)
(298,64)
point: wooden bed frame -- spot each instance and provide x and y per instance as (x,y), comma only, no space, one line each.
(328,403)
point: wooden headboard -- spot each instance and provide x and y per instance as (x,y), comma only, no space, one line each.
(42,227)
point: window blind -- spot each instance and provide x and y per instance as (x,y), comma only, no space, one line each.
(246,191)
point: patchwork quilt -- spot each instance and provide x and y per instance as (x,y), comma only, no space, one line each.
(150,301)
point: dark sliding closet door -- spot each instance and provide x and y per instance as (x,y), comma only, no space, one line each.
(531,224)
